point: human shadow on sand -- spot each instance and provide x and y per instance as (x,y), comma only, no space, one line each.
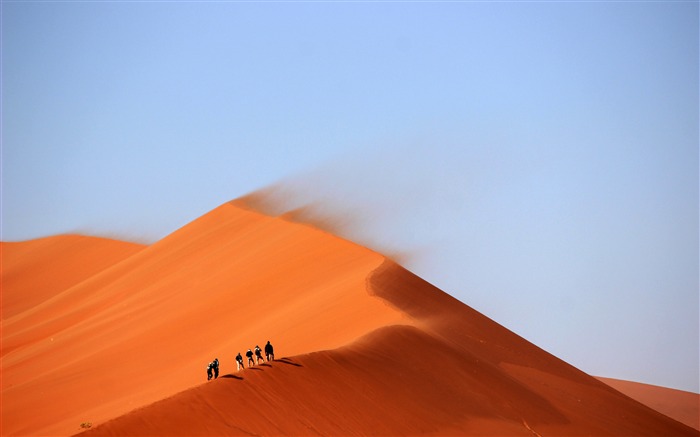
(289,361)
(232,376)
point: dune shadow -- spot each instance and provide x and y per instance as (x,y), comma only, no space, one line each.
(232,376)
(289,361)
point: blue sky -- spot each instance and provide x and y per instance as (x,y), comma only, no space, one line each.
(537,160)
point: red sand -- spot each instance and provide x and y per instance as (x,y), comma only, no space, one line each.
(681,405)
(372,348)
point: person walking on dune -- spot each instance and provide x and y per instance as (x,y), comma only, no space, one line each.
(269,351)
(215,364)
(239,362)
(258,354)
(210,369)
(249,354)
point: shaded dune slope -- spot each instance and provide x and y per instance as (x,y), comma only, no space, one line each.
(451,371)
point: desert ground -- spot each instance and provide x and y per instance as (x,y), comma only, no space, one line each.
(681,405)
(104,337)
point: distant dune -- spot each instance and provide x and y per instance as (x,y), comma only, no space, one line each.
(34,271)
(681,405)
(121,341)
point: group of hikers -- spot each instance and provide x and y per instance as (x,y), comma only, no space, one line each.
(213,367)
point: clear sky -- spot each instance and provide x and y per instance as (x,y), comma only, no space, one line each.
(539,160)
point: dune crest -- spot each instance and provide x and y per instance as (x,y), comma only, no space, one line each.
(370,348)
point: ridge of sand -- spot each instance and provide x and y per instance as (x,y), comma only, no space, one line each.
(459,374)
(683,406)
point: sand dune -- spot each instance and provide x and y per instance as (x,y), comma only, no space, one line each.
(681,405)
(33,271)
(371,348)
(450,371)
(145,328)
(365,389)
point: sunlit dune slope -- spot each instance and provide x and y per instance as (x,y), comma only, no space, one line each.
(681,405)
(33,271)
(451,371)
(146,327)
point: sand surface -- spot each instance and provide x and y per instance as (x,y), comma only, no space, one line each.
(681,405)
(34,271)
(363,345)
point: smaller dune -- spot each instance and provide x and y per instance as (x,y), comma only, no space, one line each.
(682,406)
(397,380)
(33,271)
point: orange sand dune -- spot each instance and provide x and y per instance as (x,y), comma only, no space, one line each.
(451,371)
(373,349)
(681,405)
(146,327)
(33,271)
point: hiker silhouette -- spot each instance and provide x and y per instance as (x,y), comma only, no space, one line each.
(258,354)
(216,367)
(269,351)
(239,362)
(249,354)
(210,368)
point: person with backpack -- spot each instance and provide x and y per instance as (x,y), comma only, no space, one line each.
(215,365)
(269,351)
(210,368)
(249,354)
(239,362)
(258,354)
